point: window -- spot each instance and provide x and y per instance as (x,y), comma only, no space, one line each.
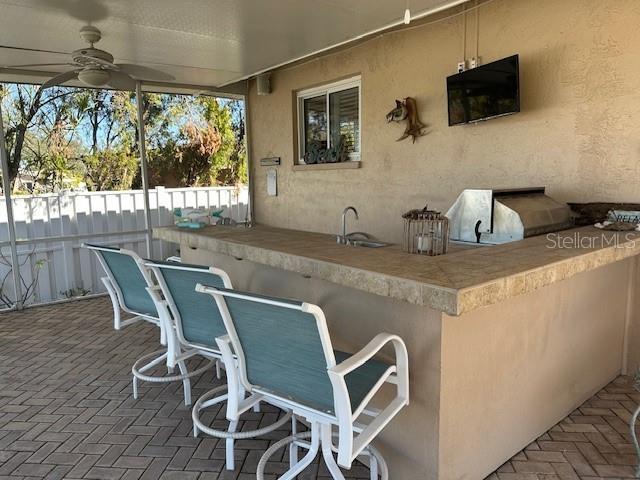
(329,123)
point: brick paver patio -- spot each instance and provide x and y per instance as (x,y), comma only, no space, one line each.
(66,408)
(66,411)
(592,442)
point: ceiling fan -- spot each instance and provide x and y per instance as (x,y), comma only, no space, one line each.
(95,67)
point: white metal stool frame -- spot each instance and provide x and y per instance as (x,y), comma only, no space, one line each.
(236,397)
(377,465)
(152,359)
(354,439)
(634,438)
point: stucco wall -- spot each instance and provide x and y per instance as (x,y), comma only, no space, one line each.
(631,358)
(528,362)
(578,132)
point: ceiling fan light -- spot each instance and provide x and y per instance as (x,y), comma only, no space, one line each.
(94,77)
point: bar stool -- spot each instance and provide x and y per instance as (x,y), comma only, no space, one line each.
(284,353)
(198,323)
(128,283)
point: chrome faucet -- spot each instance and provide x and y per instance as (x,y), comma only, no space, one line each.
(342,239)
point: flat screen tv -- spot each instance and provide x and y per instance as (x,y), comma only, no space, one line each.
(488,91)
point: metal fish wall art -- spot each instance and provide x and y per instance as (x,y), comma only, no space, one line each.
(407,110)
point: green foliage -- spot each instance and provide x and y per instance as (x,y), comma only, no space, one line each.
(57,172)
(223,163)
(208,148)
(188,161)
(75,292)
(28,288)
(65,137)
(110,170)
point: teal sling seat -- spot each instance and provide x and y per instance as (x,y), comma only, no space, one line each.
(198,324)
(361,381)
(133,290)
(133,286)
(198,318)
(284,352)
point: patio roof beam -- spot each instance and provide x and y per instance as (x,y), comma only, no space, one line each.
(235,91)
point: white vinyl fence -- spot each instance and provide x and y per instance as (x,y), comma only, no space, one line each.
(51,228)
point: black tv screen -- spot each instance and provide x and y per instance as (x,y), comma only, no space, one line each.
(484,92)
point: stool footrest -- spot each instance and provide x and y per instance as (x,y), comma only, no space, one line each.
(213,397)
(299,440)
(209,399)
(157,356)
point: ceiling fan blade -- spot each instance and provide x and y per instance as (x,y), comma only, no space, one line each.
(144,73)
(30,65)
(120,81)
(24,49)
(59,79)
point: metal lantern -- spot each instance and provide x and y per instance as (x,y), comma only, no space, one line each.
(426,232)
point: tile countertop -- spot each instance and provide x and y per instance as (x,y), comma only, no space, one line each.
(461,281)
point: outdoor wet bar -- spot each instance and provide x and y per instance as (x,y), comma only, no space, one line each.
(504,340)
(303,239)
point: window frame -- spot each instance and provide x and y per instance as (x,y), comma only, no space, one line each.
(327,89)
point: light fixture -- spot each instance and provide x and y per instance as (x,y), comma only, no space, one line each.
(95,77)
(407,16)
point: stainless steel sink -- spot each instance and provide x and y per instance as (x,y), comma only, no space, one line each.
(362,239)
(357,239)
(355,236)
(367,243)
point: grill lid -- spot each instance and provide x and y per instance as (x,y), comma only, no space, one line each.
(501,216)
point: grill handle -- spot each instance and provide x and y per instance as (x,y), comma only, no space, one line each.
(477,230)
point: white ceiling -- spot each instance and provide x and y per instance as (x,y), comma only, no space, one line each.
(199,42)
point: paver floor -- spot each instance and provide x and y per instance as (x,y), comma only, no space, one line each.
(593,442)
(67,410)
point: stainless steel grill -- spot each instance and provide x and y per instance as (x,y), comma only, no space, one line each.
(500,216)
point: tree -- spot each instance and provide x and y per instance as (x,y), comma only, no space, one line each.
(219,115)
(61,136)
(105,111)
(189,160)
(209,149)
(51,151)
(238,158)
(110,170)
(111,163)
(25,105)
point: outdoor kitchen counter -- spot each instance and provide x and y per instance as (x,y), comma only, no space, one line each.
(461,281)
(538,346)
